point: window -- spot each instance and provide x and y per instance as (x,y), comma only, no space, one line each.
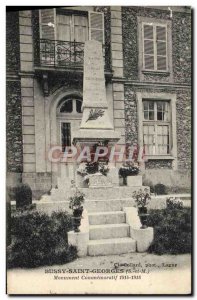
(70,106)
(63,34)
(65,25)
(67,107)
(78,106)
(156,127)
(96,26)
(154,47)
(65,135)
(68,119)
(72,27)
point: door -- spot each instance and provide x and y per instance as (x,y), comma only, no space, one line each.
(72,28)
(68,122)
(67,128)
(72,32)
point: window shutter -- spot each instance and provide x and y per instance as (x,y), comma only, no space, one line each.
(161,42)
(148,47)
(96,26)
(47,23)
(80,28)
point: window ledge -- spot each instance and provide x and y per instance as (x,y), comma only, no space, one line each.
(152,72)
(159,157)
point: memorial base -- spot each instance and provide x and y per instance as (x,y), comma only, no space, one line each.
(98,180)
(80,239)
(134,180)
(143,237)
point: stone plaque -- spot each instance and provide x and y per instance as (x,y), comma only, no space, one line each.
(95,106)
(98,180)
(94,94)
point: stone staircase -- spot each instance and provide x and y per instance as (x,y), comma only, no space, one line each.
(109,234)
(106,231)
(48,204)
(116,192)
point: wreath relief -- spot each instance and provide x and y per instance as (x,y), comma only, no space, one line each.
(95,114)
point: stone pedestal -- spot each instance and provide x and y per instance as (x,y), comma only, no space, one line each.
(113,176)
(80,181)
(80,239)
(132,217)
(143,237)
(98,180)
(134,180)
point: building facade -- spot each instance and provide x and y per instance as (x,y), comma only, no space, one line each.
(147,58)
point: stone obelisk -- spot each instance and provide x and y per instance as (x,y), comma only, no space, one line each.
(95,125)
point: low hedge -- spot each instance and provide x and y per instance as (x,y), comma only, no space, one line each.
(172,230)
(23,195)
(160,189)
(39,239)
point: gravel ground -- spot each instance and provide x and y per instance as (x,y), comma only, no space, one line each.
(123,261)
(165,274)
(182,261)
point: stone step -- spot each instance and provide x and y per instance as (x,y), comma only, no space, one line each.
(181,196)
(186,203)
(110,205)
(110,217)
(108,231)
(97,193)
(111,246)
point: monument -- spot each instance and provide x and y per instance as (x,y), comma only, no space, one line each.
(110,224)
(96,124)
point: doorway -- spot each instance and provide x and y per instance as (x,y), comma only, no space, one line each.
(69,117)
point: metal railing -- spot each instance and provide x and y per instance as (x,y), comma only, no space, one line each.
(62,54)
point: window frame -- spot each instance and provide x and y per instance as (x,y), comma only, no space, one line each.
(73,12)
(73,113)
(98,29)
(155,22)
(67,117)
(41,23)
(157,123)
(70,133)
(171,98)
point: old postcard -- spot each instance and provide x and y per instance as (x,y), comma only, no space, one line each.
(99,150)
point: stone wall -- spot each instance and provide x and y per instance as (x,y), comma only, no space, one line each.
(121,33)
(184,133)
(12,42)
(181,36)
(183,123)
(117,68)
(181,41)
(14,151)
(107,26)
(39,182)
(175,181)
(14,127)
(176,82)
(158,164)
(131,120)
